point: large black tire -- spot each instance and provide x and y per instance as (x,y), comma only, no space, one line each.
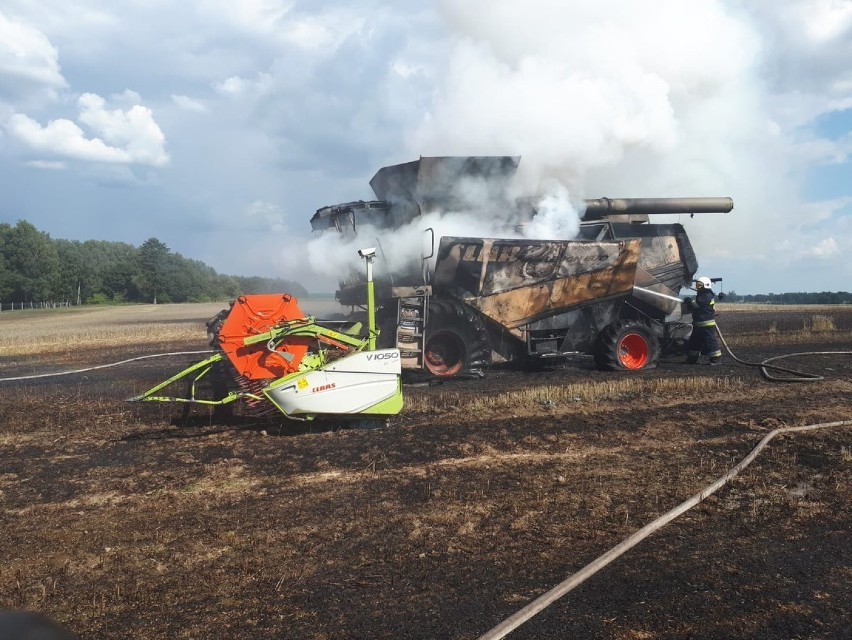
(626,345)
(456,341)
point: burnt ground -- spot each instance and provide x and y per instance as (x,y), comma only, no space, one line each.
(136,521)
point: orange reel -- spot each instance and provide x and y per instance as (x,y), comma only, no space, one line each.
(252,315)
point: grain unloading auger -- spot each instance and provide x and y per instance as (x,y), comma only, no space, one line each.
(270,355)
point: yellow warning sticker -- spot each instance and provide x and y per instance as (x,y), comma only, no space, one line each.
(302,384)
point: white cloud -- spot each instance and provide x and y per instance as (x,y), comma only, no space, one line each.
(134,130)
(311,33)
(825,248)
(825,210)
(809,248)
(406,69)
(236,86)
(52,165)
(316,30)
(29,63)
(807,45)
(62,137)
(188,104)
(125,137)
(128,97)
(251,15)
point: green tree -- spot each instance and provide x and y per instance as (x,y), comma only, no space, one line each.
(34,267)
(5,272)
(114,266)
(257,284)
(154,266)
(119,281)
(75,271)
(32,259)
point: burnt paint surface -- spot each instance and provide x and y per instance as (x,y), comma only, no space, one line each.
(515,282)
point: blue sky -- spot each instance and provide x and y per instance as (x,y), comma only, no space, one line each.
(220,127)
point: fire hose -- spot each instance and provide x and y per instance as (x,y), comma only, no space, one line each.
(794,375)
(539,604)
(103,366)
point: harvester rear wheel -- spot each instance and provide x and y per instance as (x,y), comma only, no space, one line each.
(626,345)
(456,342)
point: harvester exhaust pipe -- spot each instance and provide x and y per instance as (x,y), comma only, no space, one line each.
(369,255)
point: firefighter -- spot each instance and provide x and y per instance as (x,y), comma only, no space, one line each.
(703,338)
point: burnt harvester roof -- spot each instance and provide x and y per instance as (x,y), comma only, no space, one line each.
(405,191)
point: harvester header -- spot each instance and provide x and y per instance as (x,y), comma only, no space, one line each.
(270,356)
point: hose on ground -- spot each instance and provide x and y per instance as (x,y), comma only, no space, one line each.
(536,606)
(103,366)
(793,375)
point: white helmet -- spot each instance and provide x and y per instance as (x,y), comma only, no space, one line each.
(705,282)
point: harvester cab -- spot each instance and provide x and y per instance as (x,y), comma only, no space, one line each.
(270,356)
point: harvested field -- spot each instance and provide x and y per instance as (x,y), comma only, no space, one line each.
(138,521)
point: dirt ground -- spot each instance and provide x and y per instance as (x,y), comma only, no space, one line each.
(136,521)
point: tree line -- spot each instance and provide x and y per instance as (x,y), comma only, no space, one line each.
(823,297)
(36,268)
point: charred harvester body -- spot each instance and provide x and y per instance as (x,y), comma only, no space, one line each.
(611,291)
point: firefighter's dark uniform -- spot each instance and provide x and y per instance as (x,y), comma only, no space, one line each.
(703,338)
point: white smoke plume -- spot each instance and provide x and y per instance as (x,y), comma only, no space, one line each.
(623,99)
(401,249)
(488,205)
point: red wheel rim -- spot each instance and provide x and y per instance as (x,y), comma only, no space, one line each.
(444,354)
(632,351)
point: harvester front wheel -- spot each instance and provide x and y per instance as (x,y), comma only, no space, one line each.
(626,345)
(456,341)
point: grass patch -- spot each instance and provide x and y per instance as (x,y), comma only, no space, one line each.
(789,338)
(751,307)
(67,339)
(819,324)
(72,329)
(550,395)
(69,330)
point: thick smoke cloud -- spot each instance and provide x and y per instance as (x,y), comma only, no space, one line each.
(615,98)
(489,204)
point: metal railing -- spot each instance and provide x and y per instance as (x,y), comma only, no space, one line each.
(21,306)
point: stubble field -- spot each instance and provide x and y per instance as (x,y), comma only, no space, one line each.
(138,521)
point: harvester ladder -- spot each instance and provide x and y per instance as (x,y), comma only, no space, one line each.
(412,316)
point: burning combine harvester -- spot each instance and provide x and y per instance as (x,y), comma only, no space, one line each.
(611,291)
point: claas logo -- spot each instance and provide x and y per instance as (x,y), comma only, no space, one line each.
(324,387)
